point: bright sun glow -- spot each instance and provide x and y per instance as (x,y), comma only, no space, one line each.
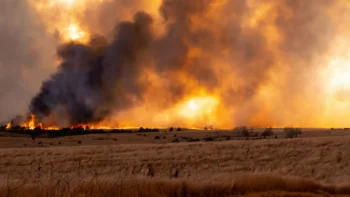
(75,33)
(341,74)
(197,107)
(67,3)
(192,105)
(62,17)
(339,84)
(338,72)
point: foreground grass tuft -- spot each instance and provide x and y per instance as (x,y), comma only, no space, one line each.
(259,185)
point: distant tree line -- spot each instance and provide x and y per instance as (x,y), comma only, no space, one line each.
(245,132)
(291,132)
(38,132)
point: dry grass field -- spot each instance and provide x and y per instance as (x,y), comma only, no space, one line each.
(315,164)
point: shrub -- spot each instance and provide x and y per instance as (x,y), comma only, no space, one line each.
(145,130)
(209,127)
(241,131)
(39,142)
(209,139)
(267,132)
(171,129)
(156,137)
(100,138)
(176,140)
(79,142)
(37,129)
(190,139)
(291,132)
(33,135)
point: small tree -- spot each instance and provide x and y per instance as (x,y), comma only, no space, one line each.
(267,132)
(241,131)
(291,132)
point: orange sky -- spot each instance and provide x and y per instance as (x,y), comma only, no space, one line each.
(287,82)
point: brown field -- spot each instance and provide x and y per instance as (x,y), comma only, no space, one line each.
(315,164)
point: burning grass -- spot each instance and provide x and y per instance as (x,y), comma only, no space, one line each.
(79,130)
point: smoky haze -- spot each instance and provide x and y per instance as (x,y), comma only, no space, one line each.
(25,55)
(260,59)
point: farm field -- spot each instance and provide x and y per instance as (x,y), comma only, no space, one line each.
(12,140)
(314,164)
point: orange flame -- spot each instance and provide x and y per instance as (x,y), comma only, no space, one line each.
(51,128)
(92,126)
(31,123)
(9,126)
(103,126)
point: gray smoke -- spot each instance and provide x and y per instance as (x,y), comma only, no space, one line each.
(25,57)
(96,78)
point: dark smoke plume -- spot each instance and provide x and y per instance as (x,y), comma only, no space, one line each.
(96,78)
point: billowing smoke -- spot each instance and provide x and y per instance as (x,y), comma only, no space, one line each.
(249,62)
(96,78)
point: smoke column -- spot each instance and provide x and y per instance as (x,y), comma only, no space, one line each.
(96,78)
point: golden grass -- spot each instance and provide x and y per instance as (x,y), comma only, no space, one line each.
(258,168)
(262,185)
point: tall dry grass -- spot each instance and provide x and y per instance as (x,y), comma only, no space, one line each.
(262,185)
(216,165)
